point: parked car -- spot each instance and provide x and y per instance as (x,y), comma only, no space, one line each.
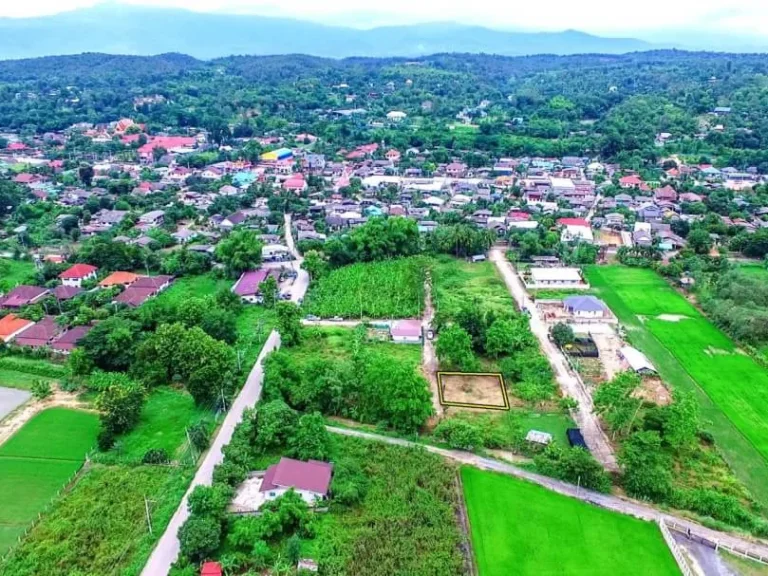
(311,317)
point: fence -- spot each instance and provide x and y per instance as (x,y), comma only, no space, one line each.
(682,563)
(715,544)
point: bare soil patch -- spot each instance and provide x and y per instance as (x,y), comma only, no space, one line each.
(653,390)
(671,317)
(473,390)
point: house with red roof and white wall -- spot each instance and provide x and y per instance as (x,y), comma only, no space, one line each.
(77,274)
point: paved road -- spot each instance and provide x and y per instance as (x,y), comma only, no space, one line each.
(614,503)
(570,384)
(167,549)
(10,399)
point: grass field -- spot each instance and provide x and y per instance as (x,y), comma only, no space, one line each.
(37,461)
(757,270)
(100,526)
(523,529)
(693,355)
(14,272)
(194,287)
(456,282)
(387,289)
(164,417)
(20,380)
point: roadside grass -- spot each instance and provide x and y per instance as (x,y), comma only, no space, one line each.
(523,529)
(743,566)
(15,272)
(457,282)
(100,526)
(386,289)
(730,387)
(37,461)
(164,418)
(20,380)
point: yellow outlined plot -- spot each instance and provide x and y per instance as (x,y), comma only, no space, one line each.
(461,388)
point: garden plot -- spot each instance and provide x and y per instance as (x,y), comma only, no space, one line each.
(468,390)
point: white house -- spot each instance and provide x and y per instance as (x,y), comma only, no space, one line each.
(75,275)
(406,331)
(310,480)
(585,307)
(556,277)
(396,116)
(275,252)
(152,218)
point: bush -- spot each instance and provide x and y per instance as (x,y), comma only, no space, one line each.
(574,465)
(156,456)
(41,389)
(459,434)
(200,435)
(199,537)
(105,439)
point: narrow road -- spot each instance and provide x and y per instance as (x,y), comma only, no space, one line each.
(570,384)
(613,503)
(167,548)
(429,362)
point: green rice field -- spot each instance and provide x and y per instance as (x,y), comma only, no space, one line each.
(692,354)
(37,461)
(523,529)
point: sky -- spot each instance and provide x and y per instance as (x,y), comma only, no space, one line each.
(605,17)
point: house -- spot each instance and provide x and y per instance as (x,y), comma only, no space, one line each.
(456,169)
(665,194)
(144,288)
(295,183)
(23,296)
(152,218)
(556,277)
(632,181)
(575,230)
(406,331)
(585,307)
(119,279)
(65,343)
(310,480)
(211,569)
(233,220)
(184,235)
(396,116)
(62,292)
(247,286)
(721,111)
(39,335)
(77,274)
(11,326)
(637,360)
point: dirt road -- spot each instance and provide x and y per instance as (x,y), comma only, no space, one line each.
(607,501)
(569,383)
(429,364)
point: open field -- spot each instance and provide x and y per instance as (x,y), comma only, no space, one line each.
(757,270)
(164,418)
(523,529)
(330,342)
(194,287)
(14,272)
(37,461)
(456,282)
(692,354)
(473,390)
(100,526)
(387,289)
(20,380)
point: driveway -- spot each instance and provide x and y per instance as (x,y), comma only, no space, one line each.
(569,382)
(10,399)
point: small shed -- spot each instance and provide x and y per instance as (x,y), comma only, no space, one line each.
(538,437)
(478,258)
(211,569)
(637,360)
(307,564)
(575,438)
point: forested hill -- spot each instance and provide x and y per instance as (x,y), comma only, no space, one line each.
(120,29)
(607,105)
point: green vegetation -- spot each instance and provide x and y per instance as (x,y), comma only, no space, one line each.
(37,461)
(541,532)
(385,289)
(162,425)
(100,526)
(693,356)
(15,272)
(742,566)
(194,287)
(21,380)
(456,282)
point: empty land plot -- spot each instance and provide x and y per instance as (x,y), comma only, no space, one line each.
(473,390)
(37,461)
(523,529)
(692,355)
(457,283)
(15,272)
(387,289)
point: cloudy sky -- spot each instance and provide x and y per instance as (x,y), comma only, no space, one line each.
(732,17)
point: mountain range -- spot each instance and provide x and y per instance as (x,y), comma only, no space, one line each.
(134,30)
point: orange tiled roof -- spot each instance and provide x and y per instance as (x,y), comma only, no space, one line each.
(12,324)
(119,278)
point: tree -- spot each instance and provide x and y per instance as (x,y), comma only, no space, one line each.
(240,252)
(454,349)
(293,549)
(275,425)
(199,537)
(314,264)
(501,338)
(289,323)
(268,290)
(647,471)
(85,172)
(459,434)
(562,334)
(699,241)
(310,441)
(120,404)
(111,343)
(574,465)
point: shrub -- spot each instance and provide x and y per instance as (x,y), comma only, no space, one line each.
(199,434)
(155,456)
(199,537)
(459,434)
(41,389)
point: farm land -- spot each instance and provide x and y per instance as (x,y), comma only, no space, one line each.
(37,462)
(524,529)
(374,290)
(693,355)
(15,272)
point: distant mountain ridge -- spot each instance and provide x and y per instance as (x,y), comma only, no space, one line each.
(133,30)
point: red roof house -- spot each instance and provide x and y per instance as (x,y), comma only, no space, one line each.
(310,480)
(75,275)
(211,569)
(41,334)
(632,181)
(23,296)
(572,222)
